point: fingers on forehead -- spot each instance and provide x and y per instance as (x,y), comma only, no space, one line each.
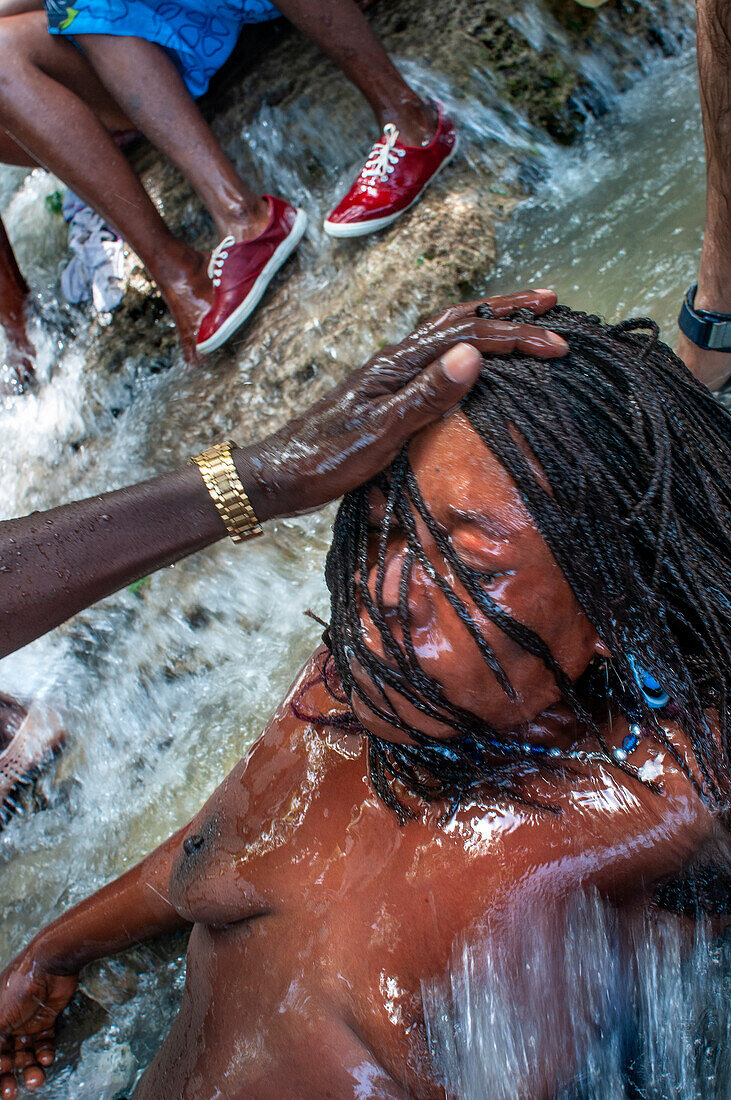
(499,337)
(535,341)
(537,300)
(503,304)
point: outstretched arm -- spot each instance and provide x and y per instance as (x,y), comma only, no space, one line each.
(53,565)
(41,981)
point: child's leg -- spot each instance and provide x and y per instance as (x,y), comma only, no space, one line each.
(144,82)
(55,107)
(343,33)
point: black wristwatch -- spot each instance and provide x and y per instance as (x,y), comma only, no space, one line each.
(703,327)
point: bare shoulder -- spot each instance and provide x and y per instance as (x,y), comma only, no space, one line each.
(616,822)
(283,777)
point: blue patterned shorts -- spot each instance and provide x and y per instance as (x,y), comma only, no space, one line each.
(199,35)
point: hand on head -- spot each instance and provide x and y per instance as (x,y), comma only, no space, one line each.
(359,428)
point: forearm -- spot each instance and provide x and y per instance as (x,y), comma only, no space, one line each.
(54,564)
(133,908)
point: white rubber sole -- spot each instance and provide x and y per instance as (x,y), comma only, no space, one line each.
(344,230)
(243,311)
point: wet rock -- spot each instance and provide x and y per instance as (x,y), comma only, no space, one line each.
(292,124)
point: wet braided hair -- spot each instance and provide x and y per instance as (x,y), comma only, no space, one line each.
(637,513)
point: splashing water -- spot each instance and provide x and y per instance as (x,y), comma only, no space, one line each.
(617,227)
(585,1004)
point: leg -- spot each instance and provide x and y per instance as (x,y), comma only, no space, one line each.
(55,108)
(13,292)
(714,277)
(144,82)
(342,32)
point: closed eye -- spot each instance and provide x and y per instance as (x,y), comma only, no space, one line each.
(484,576)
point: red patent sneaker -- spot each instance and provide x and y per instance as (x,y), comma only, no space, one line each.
(391,181)
(241,272)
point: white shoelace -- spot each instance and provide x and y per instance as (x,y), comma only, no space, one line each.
(218,258)
(383,157)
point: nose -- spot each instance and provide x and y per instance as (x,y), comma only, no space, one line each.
(397,558)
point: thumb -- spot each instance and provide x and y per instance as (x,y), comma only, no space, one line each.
(435,390)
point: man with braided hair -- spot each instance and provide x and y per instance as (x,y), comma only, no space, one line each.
(523,691)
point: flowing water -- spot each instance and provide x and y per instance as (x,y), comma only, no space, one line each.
(163,688)
(640,1005)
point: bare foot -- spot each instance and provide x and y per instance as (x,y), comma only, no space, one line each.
(188,302)
(18,373)
(711,367)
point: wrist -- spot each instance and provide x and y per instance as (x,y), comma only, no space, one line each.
(49,952)
(260,481)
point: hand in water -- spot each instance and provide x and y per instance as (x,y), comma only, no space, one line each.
(31,998)
(359,428)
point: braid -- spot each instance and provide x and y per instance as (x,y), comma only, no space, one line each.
(637,513)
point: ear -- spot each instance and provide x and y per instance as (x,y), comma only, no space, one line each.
(602,648)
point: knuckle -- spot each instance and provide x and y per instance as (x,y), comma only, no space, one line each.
(431,397)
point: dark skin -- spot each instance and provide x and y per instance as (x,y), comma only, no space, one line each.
(315,916)
(13,294)
(714,274)
(58,105)
(56,563)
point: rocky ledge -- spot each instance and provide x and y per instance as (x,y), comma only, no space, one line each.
(514,76)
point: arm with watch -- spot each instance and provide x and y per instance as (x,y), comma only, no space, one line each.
(54,564)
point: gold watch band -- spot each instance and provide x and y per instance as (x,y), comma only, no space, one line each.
(226,491)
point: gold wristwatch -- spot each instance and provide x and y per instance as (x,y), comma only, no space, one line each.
(226,491)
